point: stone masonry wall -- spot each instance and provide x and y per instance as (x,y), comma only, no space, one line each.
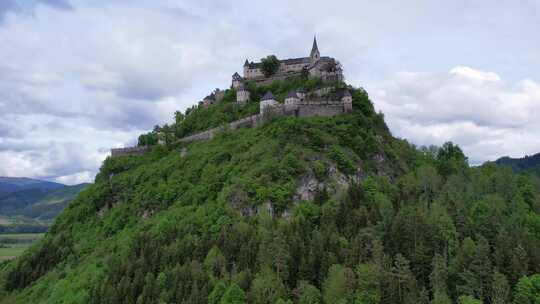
(317,110)
(129,151)
(304,109)
(250,121)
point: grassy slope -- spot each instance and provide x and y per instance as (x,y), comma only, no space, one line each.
(192,195)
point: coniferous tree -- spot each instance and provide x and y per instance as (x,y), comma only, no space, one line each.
(500,291)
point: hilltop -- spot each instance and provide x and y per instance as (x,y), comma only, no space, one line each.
(292,209)
(525,164)
(13,184)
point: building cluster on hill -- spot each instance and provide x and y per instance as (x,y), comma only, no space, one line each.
(326,68)
(212,98)
(329,100)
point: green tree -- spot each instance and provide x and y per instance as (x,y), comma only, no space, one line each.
(500,290)
(468,300)
(266,288)
(527,290)
(217,293)
(368,285)
(215,263)
(404,280)
(233,295)
(519,263)
(438,280)
(179,117)
(270,65)
(335,286)
(451,160)
(309,294)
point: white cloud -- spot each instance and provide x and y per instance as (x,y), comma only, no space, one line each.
(475,109)
(471,73)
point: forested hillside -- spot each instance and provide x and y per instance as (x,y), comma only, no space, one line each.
(525,164)
(298,210)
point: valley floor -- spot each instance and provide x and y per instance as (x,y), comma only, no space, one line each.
(13,245)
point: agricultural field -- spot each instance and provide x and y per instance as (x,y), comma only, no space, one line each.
(13,245)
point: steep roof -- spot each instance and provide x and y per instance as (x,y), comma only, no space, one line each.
(344,93)
(236,76)
(295,60)
(246,63)
(292,94)
(268,96)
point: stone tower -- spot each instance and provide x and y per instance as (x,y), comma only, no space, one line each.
(242,94)
(346,99)
(314,55)
(236,80)
(267,102)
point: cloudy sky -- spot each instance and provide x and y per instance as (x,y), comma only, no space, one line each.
(79,77)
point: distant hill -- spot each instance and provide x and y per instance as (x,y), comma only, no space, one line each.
(524,164)
(29,204)
(14,184)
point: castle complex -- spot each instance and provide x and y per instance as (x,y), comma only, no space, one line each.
(326,68)
(328,100)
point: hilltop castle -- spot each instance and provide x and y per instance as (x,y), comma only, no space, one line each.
(330,98)
(326,68)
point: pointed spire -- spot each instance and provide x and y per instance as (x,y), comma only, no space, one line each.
(246,63)
(314,50)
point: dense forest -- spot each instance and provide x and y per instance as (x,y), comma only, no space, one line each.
(298,210)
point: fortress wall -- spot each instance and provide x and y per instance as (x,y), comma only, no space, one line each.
(319,110)
(129,151)
(208,134)
(279,76)
(250,121)
(304,109)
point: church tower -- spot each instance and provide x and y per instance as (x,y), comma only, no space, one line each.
(315,55)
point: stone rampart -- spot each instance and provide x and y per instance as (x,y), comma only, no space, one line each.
(279,76)
(307,108)
(129,151)
(250,121)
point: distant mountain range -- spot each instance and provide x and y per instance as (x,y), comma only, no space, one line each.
(524,164)
(30,205)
